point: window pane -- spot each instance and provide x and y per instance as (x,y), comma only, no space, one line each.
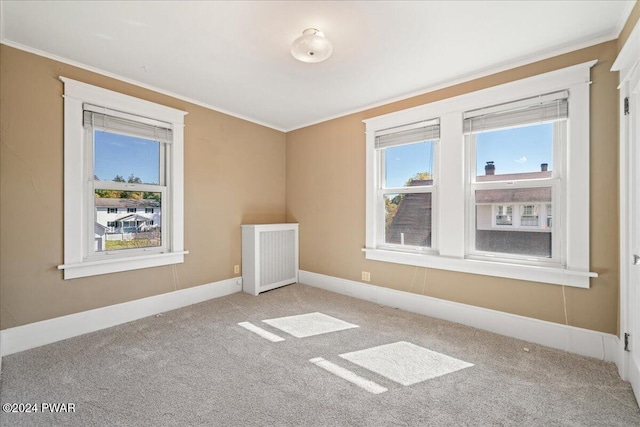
(126,230)
(504,216)
(408,219)
(518,153)
(409,165)
(511,221)
(123,158)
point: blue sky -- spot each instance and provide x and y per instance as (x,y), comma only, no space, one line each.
(405,161)
(514,150)
(122,155)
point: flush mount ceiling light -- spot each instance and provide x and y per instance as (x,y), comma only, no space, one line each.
(311,46)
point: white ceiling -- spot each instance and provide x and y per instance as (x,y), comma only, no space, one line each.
(234,56)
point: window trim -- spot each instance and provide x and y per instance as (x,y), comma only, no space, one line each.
(76,264)
(451,254)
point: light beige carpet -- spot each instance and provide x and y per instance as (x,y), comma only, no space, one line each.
(197,366)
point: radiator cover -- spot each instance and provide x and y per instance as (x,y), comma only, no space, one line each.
(269,256)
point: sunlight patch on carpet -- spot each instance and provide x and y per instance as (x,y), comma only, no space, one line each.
(261,332)
(310,324)
(405,363)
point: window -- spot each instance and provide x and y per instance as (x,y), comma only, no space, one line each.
(120,149)
(407,185)
(504,161)
(148,210)
(529,216)
(512,149)
(504,214)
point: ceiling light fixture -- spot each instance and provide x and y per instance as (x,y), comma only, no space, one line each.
(311,46)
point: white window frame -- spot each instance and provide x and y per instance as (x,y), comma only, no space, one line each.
(77,261)
(554,182)
(383,190)
(451,252)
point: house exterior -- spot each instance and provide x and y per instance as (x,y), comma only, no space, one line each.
(122,219)
(411,224)
(515,221)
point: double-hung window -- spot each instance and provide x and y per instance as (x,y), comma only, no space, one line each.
(123,182)
(498,186)
(122,145)
(514,158)
(407,186)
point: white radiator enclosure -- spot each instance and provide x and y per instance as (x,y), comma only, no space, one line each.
(269,256)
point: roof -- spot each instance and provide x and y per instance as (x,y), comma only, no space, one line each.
(134,217)
(102,202)
(413,219)
(515,195)
(514,176)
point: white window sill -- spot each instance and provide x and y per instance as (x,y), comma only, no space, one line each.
(552,275)
(114,265)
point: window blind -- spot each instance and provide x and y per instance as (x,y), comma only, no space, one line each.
(118,122)
(543,108)
(415,132)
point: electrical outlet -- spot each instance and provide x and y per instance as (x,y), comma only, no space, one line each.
(366,276)
(236,269)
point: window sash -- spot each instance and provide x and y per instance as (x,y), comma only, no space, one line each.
(90,254)
(382,244)
(517,213)
(380,216)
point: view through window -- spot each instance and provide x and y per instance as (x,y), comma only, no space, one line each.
(128,176)
(407,191)
(514,191)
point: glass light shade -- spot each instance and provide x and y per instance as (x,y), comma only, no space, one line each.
(312,46)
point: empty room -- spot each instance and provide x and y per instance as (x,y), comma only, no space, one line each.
(319,213)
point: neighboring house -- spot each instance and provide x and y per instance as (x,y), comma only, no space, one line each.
(100,232)
(507,220)
(514,220)
(411,224)
(121,216)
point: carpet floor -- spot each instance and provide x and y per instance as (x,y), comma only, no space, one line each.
(197,366)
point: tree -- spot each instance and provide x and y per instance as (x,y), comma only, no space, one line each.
(420,176)
(120,194)
(134,180)
(391,208)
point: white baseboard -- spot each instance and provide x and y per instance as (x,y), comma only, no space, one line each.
(14,340)
(569,338)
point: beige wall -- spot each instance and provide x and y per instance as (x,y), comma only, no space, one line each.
(234,173)
(326,195)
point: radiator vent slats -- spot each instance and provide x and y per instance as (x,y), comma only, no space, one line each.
(269,256)
(277,256)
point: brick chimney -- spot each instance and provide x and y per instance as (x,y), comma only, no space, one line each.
(490,169)
(544,167)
